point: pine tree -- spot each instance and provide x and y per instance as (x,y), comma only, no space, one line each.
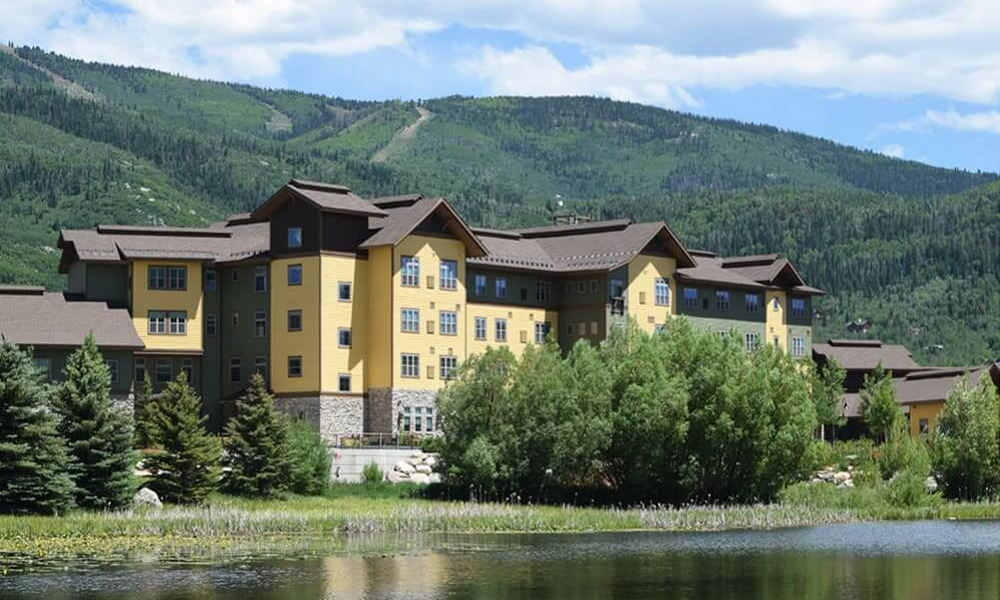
(185,467)
(145,414)
(879,407)
(257,448)
(97,435)
(32,455)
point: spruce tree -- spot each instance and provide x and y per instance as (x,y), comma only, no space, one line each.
(98,434)
(145,411)
(879,407)
(258,445)
(185,465)
(32,455)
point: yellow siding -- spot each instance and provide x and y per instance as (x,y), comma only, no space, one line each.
(429,301)
(519,319)
(929,411)
(775,325)
(337,314)
(642,274)
(379,316)
(145,300)
(305,343)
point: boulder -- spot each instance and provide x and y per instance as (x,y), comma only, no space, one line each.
(146,498)
(421,478)
(434,478)
(418,454)
(395,476)
(404,467)
(431,460)
(841,476)
(425,469)
(931,484)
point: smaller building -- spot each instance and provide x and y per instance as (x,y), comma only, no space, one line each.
(54,324)
(922,394)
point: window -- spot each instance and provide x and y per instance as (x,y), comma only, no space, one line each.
(344,337)
(235,319)
(501,330)
(751,341)
(177,278)
(112,368)
(140,370)
(776,306)
(260,366)
(295,366)
(661,292)
(448,365)
(429,419)
(45,366)
(410,318)
(581,328)
(295,274)
(344,382)
(418,421)
(569,329)
(211,280)
(690,298)
(449,322)
(480,328)
(543,291)
(569,288)
(593,286)
(798,308)
(164,370)
(234,275)
(798,346)
(260,279)
(211,325)
(187,367)
(406,418)
(449,275)
(178,322)
(294,237)
(480,286)
(235,368)
(524,295)
(923,425)
(410,271)
(157,278)
(542,332)
(260,324)
(157,322)
(593,328)
(721,300)
(752,303)
(617,288)
(295,320)
(501,287)
(410,366)
(581,287)
(344,291)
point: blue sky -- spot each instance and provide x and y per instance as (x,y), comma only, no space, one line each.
(919,79)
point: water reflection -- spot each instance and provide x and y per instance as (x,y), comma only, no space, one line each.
(911,561)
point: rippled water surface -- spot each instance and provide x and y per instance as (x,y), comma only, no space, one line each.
(911,561)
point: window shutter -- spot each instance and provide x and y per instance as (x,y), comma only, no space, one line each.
(430,326)
(524,337)
(430,372)
(430,282)
(642,297)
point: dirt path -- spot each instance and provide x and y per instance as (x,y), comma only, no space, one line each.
(402,136)
(70,87)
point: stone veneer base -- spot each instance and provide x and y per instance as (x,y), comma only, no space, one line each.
(332,416)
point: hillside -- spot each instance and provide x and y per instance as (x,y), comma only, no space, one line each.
(912,247)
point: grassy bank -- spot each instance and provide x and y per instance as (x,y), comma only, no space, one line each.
(357,509)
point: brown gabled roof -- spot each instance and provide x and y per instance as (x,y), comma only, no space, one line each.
(324,196)
(50,319)
(710,270)
(394,201)
(934,385)
(772,270)
(865,355)
(401,220)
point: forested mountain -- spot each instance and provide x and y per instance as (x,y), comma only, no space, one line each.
(914,248)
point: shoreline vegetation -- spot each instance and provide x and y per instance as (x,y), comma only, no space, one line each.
(377,508)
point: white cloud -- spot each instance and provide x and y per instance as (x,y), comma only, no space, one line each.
(893,150)
(985,121)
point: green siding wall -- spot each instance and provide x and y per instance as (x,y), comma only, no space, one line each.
(212,359)
(58,356)
(240,342)
(706,308)
(741,328)
(515,283)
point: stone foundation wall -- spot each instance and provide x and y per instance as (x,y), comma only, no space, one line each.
(403,397)
(332,416)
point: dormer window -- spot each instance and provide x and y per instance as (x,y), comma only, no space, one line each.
(294,237)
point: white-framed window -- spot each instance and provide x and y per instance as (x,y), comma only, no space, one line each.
(593,328)
(344,337)
(542,332)
(690,298)
(177,278)
(721,300)
(751,341)
(295,320)
(112,368)
(211,280)
(410,270)
(211,324)
(295,274)
(480,327)
(798,308)
(140,370)
(449,322)
(448,366)
(410,320)
(500,284)
(501,330)
(775,305)
(410,365)
(418,421)
(234,275)
(260,324)
(543,291)
(260,279)
(407,418)
(157,278)
(187,367)
(45,366)
(752,302)
(294,237)
(449,275)
(235,370)
(344,382)
(157,322)
(428,418)
(480,284)
(260,366)
(164,370)
(798,346)
(344,291)
(661,292)
(295,366)
(177,322)
(581,328)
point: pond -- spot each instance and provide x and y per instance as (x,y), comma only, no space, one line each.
(912,561)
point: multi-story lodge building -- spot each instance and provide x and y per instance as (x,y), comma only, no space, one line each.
(358,311)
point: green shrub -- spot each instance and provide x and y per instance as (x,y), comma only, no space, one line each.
(879,407)
(372,474)
(966,442)
(907,489)
(432,444)
(903,453)
(309,460)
